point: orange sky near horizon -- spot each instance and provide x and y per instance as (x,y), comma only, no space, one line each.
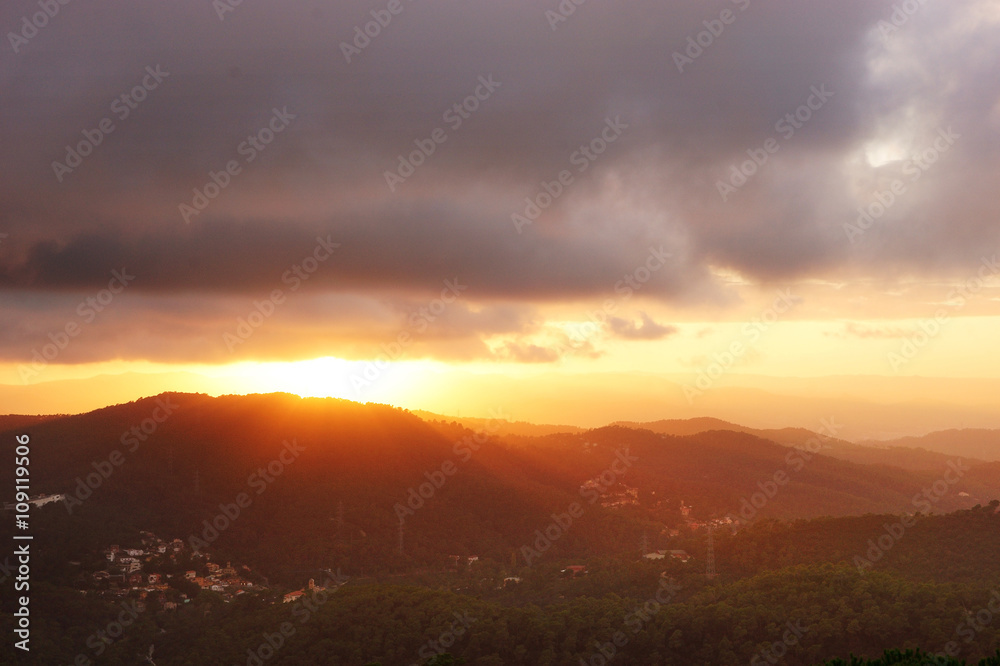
(573,224)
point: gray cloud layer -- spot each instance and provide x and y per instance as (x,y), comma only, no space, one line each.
(656,184)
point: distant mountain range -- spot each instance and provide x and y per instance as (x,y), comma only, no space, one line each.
(869,407)
(971,442)
(927,452)
(328,480)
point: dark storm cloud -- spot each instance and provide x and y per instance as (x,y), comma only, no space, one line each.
(409,250)
(552,92)
(302,324)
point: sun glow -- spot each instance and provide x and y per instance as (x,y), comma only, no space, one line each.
(330,377)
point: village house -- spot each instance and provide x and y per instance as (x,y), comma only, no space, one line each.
(37,501)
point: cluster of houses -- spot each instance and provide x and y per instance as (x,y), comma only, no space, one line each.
(36,501)
(615,497)
(131,569)
(312,587)
(458,560)
(692,524)
(672,554)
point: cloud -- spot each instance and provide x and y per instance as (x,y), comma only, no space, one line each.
(528,353)
(324,175)
(646,329)
(855,330)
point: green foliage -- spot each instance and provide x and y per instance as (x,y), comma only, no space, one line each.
(400,610)
(837,612)
(910,658)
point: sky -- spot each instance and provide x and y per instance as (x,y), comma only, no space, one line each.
(417,200)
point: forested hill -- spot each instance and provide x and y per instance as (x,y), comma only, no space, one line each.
(806,615)
(326,480)
(350,472)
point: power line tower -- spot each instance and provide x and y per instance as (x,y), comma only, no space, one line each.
(710,557)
